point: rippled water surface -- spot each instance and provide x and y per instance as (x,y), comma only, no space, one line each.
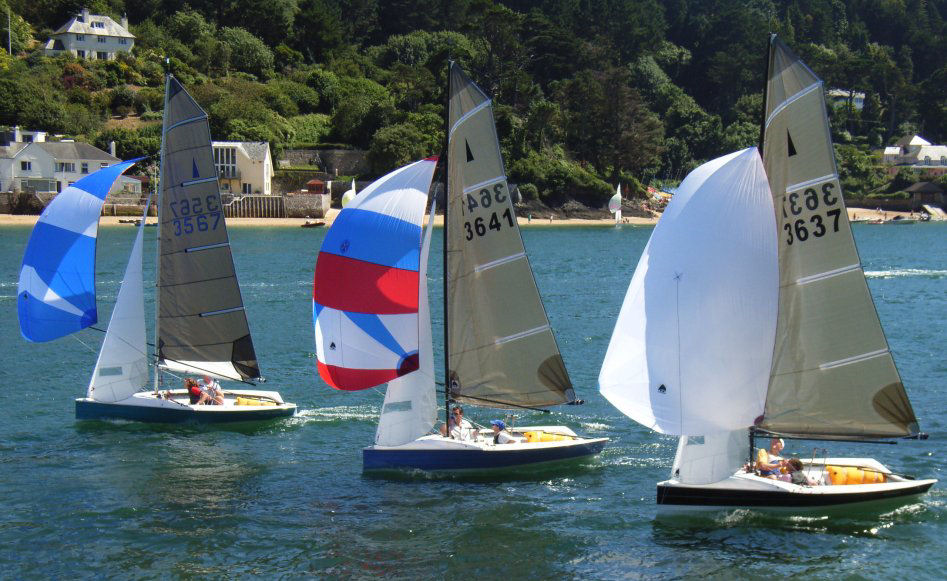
(97,499)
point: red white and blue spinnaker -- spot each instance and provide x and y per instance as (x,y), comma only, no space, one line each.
(365,291)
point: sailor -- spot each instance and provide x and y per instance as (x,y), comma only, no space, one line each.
(460,429)
(769,462)
(212,393)
(500,435)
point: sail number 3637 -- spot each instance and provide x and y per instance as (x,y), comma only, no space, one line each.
(196,213)
(818,224)
(485,198)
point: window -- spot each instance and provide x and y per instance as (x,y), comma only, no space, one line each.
(27,138)
(225,158)
(80,37)
(943,160)
(123,41)
(103,39)
(85,167)
(63,166)
(98,24)
(58,187)
(102,56)
(26,165)
(225,186)
(103,164)
(927,160)
(247,189)
(80,54)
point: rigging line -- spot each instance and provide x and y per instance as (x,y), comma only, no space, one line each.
(81,342)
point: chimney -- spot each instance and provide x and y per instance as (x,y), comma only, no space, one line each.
(84,17)
(112,148)
(125,21)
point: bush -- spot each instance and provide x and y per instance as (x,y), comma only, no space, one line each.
(558,179)
(309,129)
(249,54)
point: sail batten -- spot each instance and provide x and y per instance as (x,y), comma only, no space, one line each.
(832,373)
(202,324)
(502,352)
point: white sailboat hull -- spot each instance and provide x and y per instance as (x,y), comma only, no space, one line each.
(435,453)
(748,491)
(146,407)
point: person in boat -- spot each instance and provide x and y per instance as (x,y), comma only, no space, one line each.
(211,392)
(769,462)
(500,435)
(193,390)
(460,429)
(796,474)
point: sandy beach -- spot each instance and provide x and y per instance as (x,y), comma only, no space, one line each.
(26,220)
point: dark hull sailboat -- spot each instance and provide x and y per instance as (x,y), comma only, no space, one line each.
(825,366)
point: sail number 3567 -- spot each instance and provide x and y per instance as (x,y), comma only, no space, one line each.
(196,213)
(817,225)
(485,198)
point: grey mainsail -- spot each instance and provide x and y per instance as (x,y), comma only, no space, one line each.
(202,326)
(502,350)
(832,374)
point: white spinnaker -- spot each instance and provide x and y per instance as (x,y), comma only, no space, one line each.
(614,205)
(410,409)
(692,347)
(709,459)
(122,366)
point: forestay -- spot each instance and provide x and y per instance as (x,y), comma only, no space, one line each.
(832,374)
(56,290)
(122,366)
(202,326)
(502,350)
(691,350)
(366,285)
(410,410)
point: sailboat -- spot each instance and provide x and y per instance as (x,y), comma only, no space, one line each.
(372,320)
(614,205)
(349,195)
(201,327)
(749,315)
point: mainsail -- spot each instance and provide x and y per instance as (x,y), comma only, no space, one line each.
(56,291)
(366,286)
(122,366)
(832,374)
(202,325)
(502,351)
(692,346)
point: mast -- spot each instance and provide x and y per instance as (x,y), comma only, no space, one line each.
(444,178)
(157,188)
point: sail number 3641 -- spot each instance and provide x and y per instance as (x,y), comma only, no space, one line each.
(195,213)
(485,198)
(817,225)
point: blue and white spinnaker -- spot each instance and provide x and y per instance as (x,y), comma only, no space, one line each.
(56,292)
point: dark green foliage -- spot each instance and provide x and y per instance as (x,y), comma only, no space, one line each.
(585,93)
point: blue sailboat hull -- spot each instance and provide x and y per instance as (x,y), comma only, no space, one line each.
(472,459)
(93,410)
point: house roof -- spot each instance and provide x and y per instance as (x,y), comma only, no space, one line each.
(74,150)
(912,140)
(924,188)
(10,151)
(111,27)
(255,150)
(892,150)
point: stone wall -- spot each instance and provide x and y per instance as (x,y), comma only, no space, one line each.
(333,162)
(306,205)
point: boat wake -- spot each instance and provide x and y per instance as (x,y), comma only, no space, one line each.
(906,272)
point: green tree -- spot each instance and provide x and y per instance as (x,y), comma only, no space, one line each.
(248,53)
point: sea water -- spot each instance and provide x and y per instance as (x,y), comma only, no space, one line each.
(288,498)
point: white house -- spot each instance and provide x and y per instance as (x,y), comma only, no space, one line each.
(91,36)
(52,166)
(917,153)
(841,97)
(244,167)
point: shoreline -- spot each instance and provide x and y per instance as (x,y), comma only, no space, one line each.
(30,220)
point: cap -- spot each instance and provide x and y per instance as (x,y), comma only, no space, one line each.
(499,424)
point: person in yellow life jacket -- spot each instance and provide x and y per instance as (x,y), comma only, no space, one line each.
(769,462)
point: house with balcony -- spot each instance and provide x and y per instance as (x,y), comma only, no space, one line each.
(916,153)
(244,167)
(45,166)
(91,36)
